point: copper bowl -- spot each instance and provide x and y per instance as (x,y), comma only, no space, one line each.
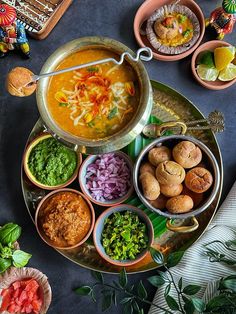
(122,137)
(41,231)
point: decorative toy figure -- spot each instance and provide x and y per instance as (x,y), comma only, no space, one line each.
(223,18)
(12,32)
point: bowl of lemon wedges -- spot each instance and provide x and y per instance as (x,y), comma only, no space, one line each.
(214,65)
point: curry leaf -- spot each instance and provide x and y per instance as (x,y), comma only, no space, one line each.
(4,264)
(126,300)
(98,276)
(167,290)
(9,233)
(128,308)
(180,283)
(198,304)
(114,299)
(173,305)
(63,104)
(83,290)
(136,306)
(174,258)
(141,290)
(191,289)
(123,280)
(113,113)
(188,307)
(157,256)
(218,301)
(106,302)
(229,283)
(20,258)
(156,281)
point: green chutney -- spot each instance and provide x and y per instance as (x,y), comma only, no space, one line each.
(51,163)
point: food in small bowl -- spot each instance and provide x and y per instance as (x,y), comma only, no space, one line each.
(172,31)
(49,164)
(123,234)
(65,219)
(213,65)
(107,179)
(188,182)
(24,290)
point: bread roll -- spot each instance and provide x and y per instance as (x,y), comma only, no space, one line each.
(171,190)
(150,186)
(187,154)
(159,154)
(19,82)
(179,204)
(147,167)
(196,197)
(160,202)
(169,172)
(198,180)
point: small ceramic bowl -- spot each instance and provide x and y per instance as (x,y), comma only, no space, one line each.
(32,177)
(147,9)
(40,229)
(82,180)
(97,233)
(210,45)
(14,274)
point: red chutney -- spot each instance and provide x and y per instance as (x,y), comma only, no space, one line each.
(22,296)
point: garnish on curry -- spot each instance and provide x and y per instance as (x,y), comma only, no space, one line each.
(93,102)
(174,30)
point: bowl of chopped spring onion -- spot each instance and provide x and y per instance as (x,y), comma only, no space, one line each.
(123,235)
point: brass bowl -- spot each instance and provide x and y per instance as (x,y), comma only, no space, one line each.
(117,140)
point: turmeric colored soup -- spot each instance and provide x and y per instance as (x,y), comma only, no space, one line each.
(94,102)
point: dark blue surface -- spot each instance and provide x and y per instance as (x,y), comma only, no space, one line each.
(112,18)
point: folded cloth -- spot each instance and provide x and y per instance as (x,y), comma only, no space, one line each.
(195,267)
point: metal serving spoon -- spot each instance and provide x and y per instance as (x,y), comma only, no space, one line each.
(139,56)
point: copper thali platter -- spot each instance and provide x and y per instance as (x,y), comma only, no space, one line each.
(168,105)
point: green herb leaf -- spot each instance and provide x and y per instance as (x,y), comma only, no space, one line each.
(114,299)
(9,233)
(157,256)
(98,276)
(91,124)
(229,283)
(63,104)
(188,307)
(136,307)
(128,308)
(156,281)
(218,301)
(126,300)
(173,305)
(113,113)
(191,289)
(198,304)
(142,292)
(141,311)
(180,283)
(93,296)
(106,302)
(83,290)
(4,264)
(93,69)
(167,290)
(123,280)
(20,258)
(174,258)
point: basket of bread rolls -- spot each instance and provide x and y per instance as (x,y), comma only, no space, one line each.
(177,177)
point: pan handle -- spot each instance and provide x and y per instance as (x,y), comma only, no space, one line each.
(183,229)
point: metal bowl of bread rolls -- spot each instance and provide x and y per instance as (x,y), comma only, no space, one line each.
(177,177)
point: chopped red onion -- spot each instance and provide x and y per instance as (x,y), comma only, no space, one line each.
(108,178)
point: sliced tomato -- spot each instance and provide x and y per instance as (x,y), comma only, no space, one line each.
(23,296)
(16,285)
(36,305)
(32,286)
(6,299)
(16,293)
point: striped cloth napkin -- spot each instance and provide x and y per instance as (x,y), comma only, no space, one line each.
(195,267)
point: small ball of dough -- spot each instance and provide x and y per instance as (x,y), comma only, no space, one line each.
(196,197)
(171,189)
(159,154)
(160,202)
(19,82)
(198,180)
(147,167)
(169,172)
(187,154)
(150,186)
(179,204)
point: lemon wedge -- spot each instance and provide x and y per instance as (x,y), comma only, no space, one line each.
(223,56)
(206,73)
(228,74)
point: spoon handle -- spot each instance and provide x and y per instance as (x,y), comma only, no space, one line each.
(144,54)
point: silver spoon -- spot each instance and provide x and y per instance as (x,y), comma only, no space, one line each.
(139,56)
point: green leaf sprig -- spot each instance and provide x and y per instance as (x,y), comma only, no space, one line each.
(9,255)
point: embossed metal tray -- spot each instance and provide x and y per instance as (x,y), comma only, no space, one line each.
(168,105)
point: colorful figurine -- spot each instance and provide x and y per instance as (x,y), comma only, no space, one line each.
(12,32)
(223,18)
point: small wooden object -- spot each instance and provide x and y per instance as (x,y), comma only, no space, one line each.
(39,16)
